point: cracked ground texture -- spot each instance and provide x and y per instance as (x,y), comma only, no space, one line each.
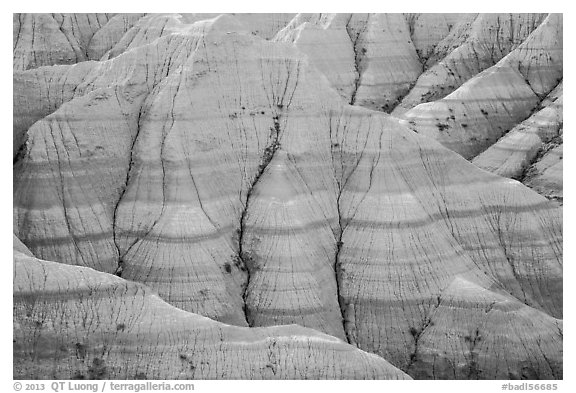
(77,322)
(207,186)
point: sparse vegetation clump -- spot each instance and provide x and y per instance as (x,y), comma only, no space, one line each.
(442,126)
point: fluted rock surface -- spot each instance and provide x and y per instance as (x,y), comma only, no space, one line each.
(289,249)
(108,36)
(411,211)
(429,30)
(154,26)
(470,328)
(368,58)
(73,322)
(513,153)
(48,39)
(488,38)
(545,175)
(227,172)
(487,106)
(325,39)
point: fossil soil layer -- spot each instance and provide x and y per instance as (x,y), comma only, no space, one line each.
(296,196)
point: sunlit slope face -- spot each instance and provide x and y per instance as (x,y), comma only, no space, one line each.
(225,170)
(386,62)
(76,323)
(509,116)
(532,151)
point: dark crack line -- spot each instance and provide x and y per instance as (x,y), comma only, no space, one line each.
(165,134)
(337,267)
(339,274)
(17,41)
(545,147)
(120,267)
(410,20)
(246,260)
(339,243)
(417,333)
(77,50)
(535,109)
(357,58)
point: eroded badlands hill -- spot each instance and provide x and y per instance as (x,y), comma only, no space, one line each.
(74,322)
(489,108)
(217,161)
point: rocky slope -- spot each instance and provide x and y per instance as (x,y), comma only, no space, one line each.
(47,39)
(217,161)
(76,323)
(484,320)
(505,108)
(531,148)
(369,58)
(545,175)
(475,43)
(487,106)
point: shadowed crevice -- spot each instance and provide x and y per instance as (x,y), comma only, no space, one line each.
(243,256)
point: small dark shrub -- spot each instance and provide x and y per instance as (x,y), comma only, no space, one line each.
(442,126)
